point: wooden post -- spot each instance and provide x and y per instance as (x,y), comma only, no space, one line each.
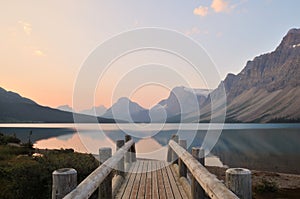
(170,151)
(196,189)
(128,154)
(181,165)
(174,155)
(171,155)
(105,188)
(64,181)
(120,166)
(238,180)
(133,153)
(202,156)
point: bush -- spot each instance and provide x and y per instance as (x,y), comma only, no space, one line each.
(23,176)
(266,186)
(5,139)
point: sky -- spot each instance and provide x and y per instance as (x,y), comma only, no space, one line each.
(45,43)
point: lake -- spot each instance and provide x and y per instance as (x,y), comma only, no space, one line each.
(270,147)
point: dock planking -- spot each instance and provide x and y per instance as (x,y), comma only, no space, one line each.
(151,179)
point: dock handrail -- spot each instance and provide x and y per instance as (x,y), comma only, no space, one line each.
(91,183)
(213,187)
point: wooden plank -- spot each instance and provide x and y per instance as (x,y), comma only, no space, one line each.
(142,188)
(127,187)
(160,180)
(148,193)
(167,184)
(124,184)
(212,186)
(174,185)
(154,183)
(136,184)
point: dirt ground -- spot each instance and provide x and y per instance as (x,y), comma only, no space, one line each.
(268,185)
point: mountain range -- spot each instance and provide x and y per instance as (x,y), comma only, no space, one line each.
(266,90)
(15,108)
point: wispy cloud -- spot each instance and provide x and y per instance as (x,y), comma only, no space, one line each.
(220,5)
(26,27)
(201,10)
(39,53)
(195,31)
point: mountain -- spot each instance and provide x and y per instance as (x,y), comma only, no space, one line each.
(99,110)
(65,108)
(126,110)
(268,88)
(181,102)
(15,108)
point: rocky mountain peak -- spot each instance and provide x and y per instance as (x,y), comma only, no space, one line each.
(271,71)
(291,40)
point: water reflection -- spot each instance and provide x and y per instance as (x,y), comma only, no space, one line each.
(262,147)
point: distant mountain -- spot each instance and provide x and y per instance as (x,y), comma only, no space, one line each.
(181,103)
(65,108)
(268,88)
(98,110)
(126,110)
(15,108)
(11,97)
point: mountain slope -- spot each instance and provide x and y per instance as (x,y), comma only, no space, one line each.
(98,110)
(181,103)
(14,108)
(126,110)
(268,88)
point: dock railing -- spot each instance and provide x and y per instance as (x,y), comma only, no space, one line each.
(203,184)
(65,180)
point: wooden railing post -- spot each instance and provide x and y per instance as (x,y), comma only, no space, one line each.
(105,188)
(120,166)
(172,156)
(196,189)
(131,156)
(64,181)
(202,156)
(238,180)
(181,165)
(128,154)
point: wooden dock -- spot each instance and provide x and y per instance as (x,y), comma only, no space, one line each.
(122,175)
(151,179)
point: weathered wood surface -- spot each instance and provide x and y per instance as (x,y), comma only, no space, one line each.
(86,188)
(151,179)
(64,181)
(239,181)
(105,187)
(213,187)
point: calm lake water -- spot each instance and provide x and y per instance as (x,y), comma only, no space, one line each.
(271,147)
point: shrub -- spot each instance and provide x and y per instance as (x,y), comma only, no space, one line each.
(266,186)
(23,176)
(5,139)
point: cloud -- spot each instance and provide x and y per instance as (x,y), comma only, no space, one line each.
(201,10)
(26,27)
(195,31)
(39,53)
(219,5)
